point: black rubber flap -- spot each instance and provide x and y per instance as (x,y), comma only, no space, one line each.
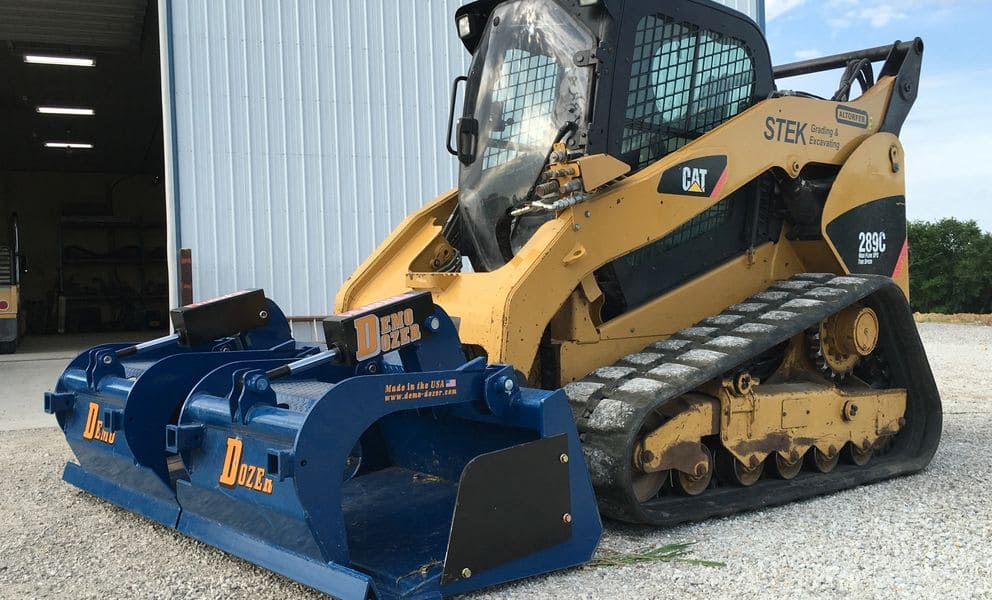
(510,504)
(222,317)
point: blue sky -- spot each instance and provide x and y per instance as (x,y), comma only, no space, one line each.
(948,136)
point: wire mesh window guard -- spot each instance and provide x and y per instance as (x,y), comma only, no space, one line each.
(524,99)
(684,81)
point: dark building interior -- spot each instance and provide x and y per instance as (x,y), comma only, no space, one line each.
(81,162)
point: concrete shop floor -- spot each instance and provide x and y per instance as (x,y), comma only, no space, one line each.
(36,366)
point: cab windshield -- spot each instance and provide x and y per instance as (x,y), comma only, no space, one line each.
(525,91)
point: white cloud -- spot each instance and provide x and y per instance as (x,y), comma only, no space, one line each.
(882,15)
(807,54)
(776,8)
(963,79)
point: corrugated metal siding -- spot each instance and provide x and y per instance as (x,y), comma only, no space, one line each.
(752,8)
(305,130)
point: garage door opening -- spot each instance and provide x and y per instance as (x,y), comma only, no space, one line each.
(81,165)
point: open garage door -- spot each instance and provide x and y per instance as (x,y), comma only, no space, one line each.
(82,162)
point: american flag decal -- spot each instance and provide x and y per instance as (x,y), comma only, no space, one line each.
(450,383)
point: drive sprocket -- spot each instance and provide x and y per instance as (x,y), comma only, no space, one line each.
(842,340)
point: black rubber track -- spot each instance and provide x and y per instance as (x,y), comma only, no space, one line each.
(612,403)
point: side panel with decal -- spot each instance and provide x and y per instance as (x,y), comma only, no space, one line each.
(870,237)
(699,177)
(817,133)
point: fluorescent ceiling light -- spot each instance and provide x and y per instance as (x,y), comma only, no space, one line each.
(65,61)
(69,145)
(64,110)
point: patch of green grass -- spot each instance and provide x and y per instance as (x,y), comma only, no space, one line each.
(669,553)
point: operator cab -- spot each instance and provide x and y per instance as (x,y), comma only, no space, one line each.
(573,71)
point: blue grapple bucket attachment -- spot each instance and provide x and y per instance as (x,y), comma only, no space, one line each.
(387,466)
(114,401)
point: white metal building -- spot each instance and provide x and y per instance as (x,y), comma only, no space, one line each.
(302,132)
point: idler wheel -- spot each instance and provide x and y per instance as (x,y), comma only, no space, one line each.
(647,485)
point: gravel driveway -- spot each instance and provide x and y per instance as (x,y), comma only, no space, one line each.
(925,536)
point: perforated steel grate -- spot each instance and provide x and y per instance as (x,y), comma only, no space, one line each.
(136,368)
(300,395)
(701,224)
(684,81)
(526,88)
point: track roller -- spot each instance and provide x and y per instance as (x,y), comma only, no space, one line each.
(784,468)
(858,455)
(822,461)
(695,484)
(732,470)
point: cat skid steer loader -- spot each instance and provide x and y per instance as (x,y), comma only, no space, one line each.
(715,268)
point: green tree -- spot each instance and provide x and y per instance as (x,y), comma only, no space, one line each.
(950,265)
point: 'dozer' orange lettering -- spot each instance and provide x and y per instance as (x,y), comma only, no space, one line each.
(94,430)
(234,472)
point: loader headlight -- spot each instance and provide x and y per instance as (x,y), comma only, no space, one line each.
(464,26)
(588,2)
